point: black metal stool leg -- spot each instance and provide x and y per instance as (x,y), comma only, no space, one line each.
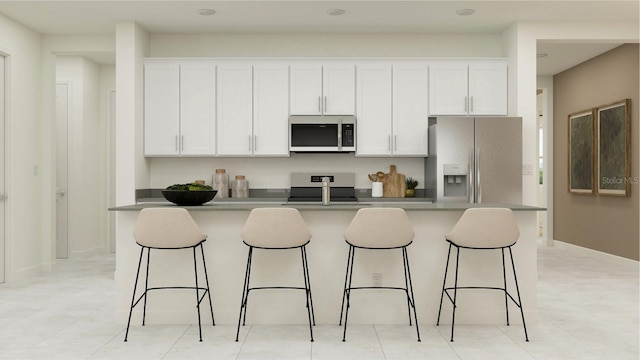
(346,277)
(406,281)
(146,288)
(195,271)
(413,299)
(306,267)
(348,293)
(455,292)
(515,278)
(444,282)
(206,278)
(133,296)
(307,290)
(504,278)
(245,291)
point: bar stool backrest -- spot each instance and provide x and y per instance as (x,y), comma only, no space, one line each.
(167,228)
(380,228)
(485,228)
(275,228)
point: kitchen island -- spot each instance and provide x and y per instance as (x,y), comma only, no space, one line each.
(226,255)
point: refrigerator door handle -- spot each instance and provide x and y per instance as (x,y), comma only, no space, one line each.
(478,181)
(471,182)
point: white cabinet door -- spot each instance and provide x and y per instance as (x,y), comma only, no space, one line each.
(448,88)
(197,108)
(410,109)
(235,109)
(488,88)
(339,90)
(373,127)
(271,110)
(161,108)
(306,89)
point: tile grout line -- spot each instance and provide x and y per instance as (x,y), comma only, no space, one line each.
(379,342)
(175,342)
(244,340)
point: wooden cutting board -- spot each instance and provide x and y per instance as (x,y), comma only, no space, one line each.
(393,184)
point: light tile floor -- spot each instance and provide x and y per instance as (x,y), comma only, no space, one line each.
(588,310)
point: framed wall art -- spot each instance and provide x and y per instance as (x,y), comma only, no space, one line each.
(614,148)
(581,152)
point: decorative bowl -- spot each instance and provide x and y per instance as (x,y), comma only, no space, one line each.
(189,198)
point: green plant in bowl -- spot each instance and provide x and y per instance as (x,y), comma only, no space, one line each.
(411,184)
(189,194)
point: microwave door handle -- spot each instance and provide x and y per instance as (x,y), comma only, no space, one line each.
(340,136)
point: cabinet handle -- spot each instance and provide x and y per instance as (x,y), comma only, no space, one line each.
(255,142)
(471,104)
(320,104)
(325,104)
(389,142)
(466,105)
(250,142)
(395,142)
(182,143)
(177,148)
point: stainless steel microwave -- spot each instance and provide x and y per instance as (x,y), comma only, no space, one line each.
(322,133)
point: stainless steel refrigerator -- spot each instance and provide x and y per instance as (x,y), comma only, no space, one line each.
(474,160)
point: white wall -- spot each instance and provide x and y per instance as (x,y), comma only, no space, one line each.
(28,251)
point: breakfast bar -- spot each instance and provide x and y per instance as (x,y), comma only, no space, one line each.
(327,256)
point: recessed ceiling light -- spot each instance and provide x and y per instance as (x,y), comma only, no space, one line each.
(541,55)
(335,12)
(465,12)
(206,12)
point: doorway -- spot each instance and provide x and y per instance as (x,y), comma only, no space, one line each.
(62,203)
(111,149)
(3,195)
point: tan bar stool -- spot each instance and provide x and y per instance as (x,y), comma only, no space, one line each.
(168,229)
(378,229)
(483,229)
(276,229)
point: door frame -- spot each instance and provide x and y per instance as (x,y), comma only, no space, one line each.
(4,124)
(111,171)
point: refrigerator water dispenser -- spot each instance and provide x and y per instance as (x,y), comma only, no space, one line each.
(455,180)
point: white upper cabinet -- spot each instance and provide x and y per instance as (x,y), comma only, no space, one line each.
(488,88)
(235,109)
(179,108)
(271,110)
(162,108)
(318,89)
(197,108)
(474,87)
(410,109)
(392,111)
(373,115)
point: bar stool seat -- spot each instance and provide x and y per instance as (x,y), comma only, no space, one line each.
(483,229)
(168,229)
(378,229)
(276,229)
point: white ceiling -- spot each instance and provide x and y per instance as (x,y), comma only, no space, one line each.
(310,16)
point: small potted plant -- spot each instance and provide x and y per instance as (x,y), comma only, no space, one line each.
(411,184)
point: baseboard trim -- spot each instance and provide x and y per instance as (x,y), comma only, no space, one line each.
(601,255)
(87,253)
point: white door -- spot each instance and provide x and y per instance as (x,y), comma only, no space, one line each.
(373,126)
(339,89)
(410,109)
(197,108)
(306,89)
(62,225)
(271,110)
(235,109)
(448,88)
(3,195)
(488,88)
